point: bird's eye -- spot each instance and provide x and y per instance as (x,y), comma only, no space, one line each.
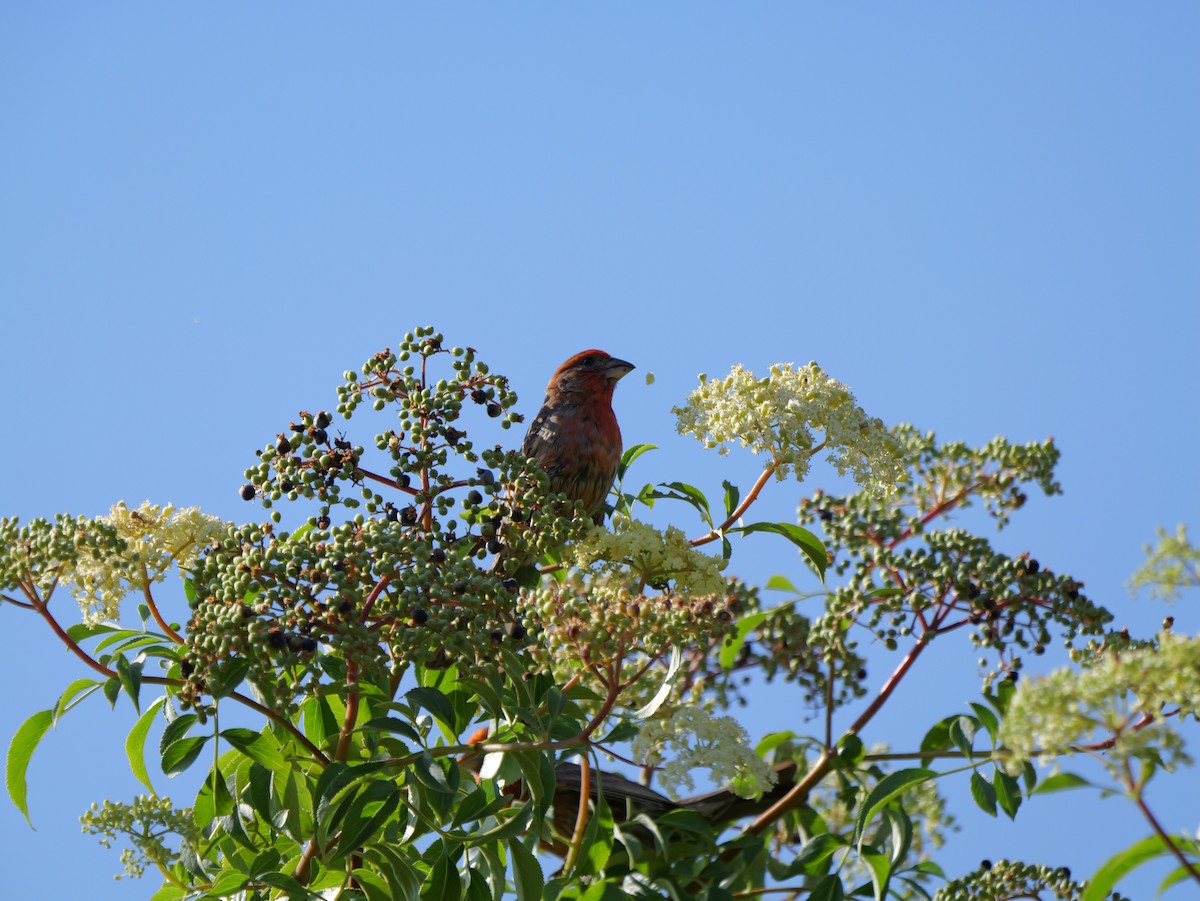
(588,360)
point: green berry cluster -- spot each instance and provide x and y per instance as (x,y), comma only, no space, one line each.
(601,622)
(146,823)
(906,580)
(1006,879)
(399,581)
(35,557)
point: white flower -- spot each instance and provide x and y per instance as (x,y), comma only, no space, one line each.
(157,539)
(779,414)
(652,555)
(700,740)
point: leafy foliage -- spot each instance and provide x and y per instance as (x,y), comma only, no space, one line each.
(431,726)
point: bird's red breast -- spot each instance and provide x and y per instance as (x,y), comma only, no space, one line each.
(575,437)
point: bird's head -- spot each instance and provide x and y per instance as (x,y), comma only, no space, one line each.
(588,374)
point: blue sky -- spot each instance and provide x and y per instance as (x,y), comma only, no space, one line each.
(984,218)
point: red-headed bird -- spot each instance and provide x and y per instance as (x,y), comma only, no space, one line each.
(575,437)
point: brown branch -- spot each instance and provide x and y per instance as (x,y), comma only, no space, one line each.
(800,791)
(737,514)
(1176,851)
(581,815)
(158,617)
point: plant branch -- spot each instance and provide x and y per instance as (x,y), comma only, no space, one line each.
(737,514)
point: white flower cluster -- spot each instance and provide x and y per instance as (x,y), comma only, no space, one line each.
(1069,708)
(653,556)
(779,414)
(701,740)
(157,539)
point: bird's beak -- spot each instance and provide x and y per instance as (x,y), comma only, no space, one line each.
(616,369)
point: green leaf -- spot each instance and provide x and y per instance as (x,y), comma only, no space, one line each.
(75,692)
(176,729)
(19,754)
(890,787)
(393,725)
(828,889)
(229,677)
(443,883)
(1121,865)
(374,886)
(1061,782)
(82,631)
(372,807)
(1008,793)
(319,721)
(130,675)
(135,743)
(682,491)
(962,734)
(598,835)
(989,720)
(781,583)
(881,873)
(528,878)
(984,793)
(259,747)
(732,646)
(182,754)
(285,883)
(810,545)
(227,883)
(850,748)
(434,701)
(732,496)
(817,849)
(112,691)
(631,454)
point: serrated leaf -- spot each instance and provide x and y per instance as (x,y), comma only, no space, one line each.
(881,872)
(259,747)
(850,748)
(781,583)
(130,675)
(112,691)
(631,454)
(732,495)
(20,752)
(828,889)
(1061,782)
(434,701)
(285,883)
(732,646)
(1008,793)
(962,734)
(1121,865)
(810,545)
(229,676)
(443,882)
(984,793)
(528,878)
(988,719)
(817,849)
(74,693)
(135,743)
(182,754)
(891,786)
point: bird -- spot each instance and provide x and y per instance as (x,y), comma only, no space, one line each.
(627,799)
(575,438)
